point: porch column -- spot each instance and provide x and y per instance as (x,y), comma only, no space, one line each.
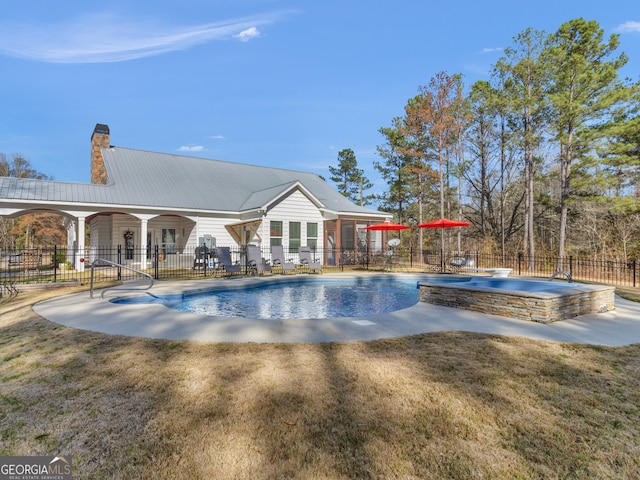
(80,245)
(143,242)
(338,241)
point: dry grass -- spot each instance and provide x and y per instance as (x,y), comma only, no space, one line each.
(448,405)
(629,293)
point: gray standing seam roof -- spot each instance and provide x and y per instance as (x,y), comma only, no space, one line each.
(160,180)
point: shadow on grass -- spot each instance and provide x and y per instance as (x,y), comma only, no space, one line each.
(445,405)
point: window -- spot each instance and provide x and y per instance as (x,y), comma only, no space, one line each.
(347,235)
(312,236)
(169,240)
(294,236)
(275,232)
(361,235)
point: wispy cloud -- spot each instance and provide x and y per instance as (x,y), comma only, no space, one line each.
(191,148)
(217,137)
(491,50)
(628,27)
(248,34)
(101,38)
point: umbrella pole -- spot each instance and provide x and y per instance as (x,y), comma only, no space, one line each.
(442,250)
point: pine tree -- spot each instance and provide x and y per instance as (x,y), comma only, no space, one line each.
(349,179)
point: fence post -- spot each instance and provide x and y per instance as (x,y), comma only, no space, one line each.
(156,252)
(633,268)
(571,265)
(119,262)
(55,263)
(520,255)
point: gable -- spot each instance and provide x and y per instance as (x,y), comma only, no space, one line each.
(295,206)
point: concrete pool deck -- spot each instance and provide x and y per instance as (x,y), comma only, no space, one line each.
(617,328)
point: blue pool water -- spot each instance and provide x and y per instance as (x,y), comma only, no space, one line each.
(518,285)
(318,298)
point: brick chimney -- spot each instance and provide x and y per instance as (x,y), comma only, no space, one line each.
(99,140)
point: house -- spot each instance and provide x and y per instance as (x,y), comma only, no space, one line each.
(142,199)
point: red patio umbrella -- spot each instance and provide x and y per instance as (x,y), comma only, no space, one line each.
(442,224)
(387,226)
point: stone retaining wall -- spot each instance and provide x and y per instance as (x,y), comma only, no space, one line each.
(543,307)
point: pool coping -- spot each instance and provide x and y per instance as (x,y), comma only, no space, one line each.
(615,328)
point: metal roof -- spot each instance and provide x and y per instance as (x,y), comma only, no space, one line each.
(167,181)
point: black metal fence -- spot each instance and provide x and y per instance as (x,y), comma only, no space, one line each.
(60,264)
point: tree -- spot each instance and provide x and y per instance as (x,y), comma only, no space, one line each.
(349,179)
(32,228)
(434,122)
(621,152)
(584,89)
(418,147)
(440,102)
(39,229)
(482,141)
(394,170)
(463,116)
(553,137)
(19,167)
(524,92)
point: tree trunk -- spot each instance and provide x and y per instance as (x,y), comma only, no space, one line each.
(565,164)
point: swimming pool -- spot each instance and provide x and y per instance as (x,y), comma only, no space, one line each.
(303,298)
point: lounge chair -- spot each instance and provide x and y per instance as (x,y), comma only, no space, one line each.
(306,262)
(255,261)
(224,260)
(277,260)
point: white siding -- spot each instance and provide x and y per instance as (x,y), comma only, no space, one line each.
(100,230)
(294,208)
(216,228)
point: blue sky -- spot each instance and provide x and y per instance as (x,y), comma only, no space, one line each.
(279,83)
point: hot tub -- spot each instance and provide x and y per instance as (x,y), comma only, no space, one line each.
(533,300)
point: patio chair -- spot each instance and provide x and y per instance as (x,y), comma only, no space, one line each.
(307,262)
(224,260)
(277,260)
(255,261)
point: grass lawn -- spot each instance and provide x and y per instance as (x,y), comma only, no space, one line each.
(446,405)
